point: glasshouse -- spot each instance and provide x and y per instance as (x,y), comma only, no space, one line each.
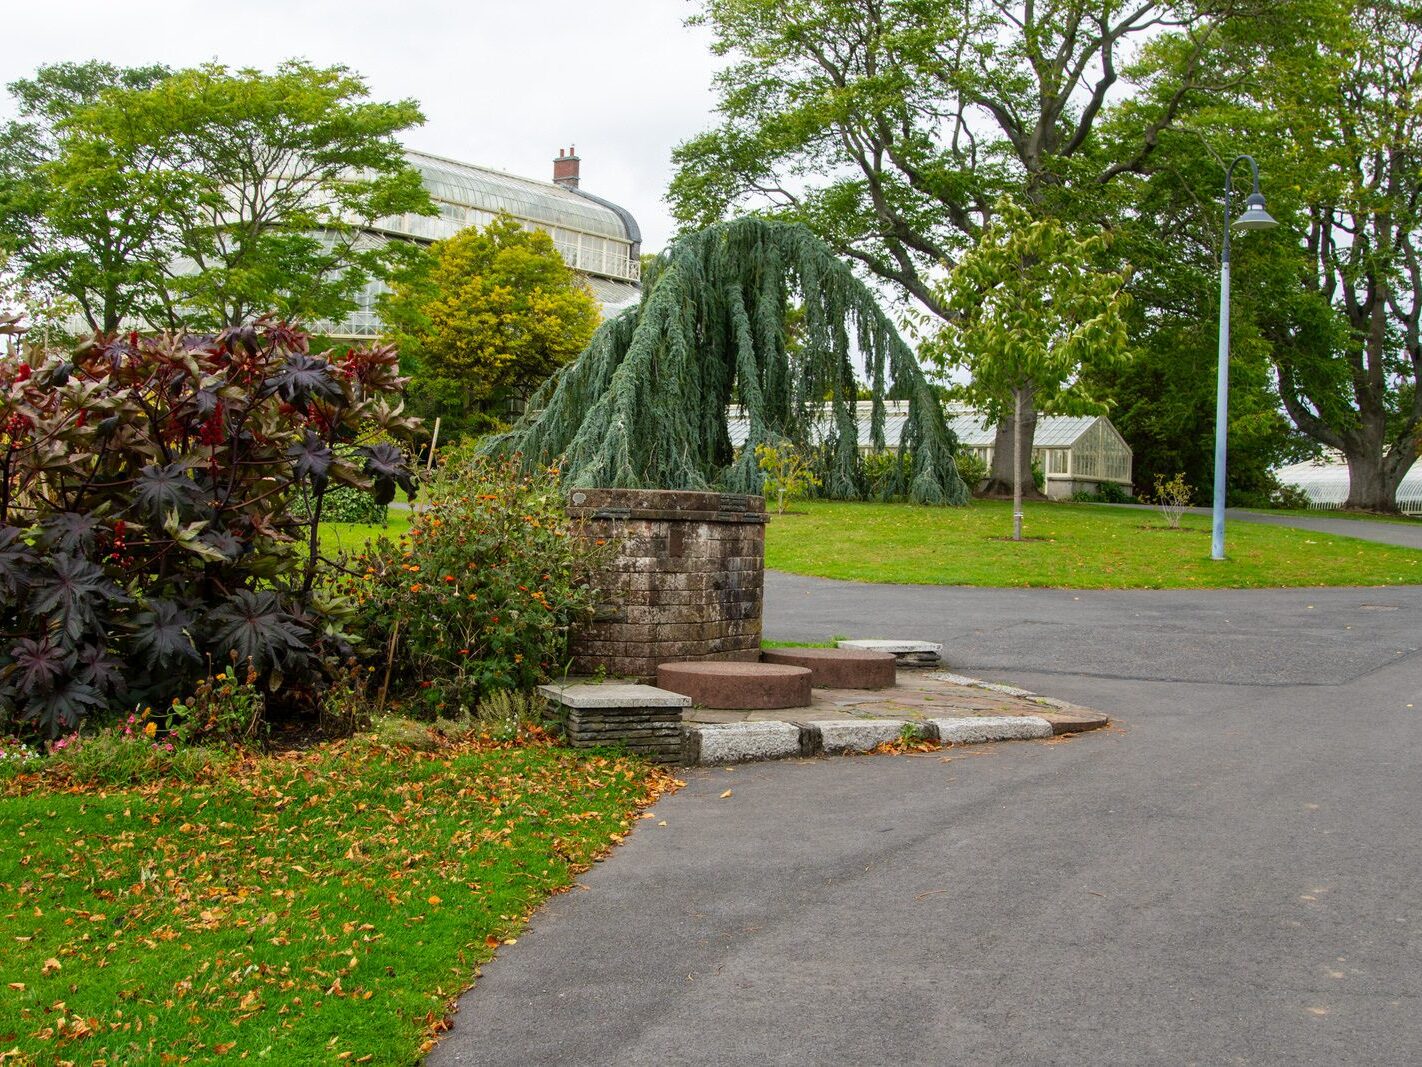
(1326,483)
(1076,453)
(597,238)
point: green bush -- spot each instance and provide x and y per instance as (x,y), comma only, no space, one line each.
(1289,496)
(481,593)
(972,468)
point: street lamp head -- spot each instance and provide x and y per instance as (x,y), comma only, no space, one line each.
(1255,217)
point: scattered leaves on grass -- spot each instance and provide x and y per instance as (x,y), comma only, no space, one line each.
(351,889)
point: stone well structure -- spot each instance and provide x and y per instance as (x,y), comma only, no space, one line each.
(686,583)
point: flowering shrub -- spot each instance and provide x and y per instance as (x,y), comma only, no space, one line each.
(14,752)
(224,708)
(480,594)
(128,753)
(147,530)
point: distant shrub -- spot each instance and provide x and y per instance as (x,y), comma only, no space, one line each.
(972,468)
(1291,497)
(1171,497)
(1112,493)
(788,472)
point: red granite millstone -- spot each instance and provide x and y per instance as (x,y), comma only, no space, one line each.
(738,686)
(839,668)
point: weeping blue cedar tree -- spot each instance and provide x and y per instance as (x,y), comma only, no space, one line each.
(644,406)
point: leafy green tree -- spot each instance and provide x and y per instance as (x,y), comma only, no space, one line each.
(1325,309)
(487,314)
(1350,360)
(1028,312)
(1162,401)
(205,196)
(891,127)
(84,216)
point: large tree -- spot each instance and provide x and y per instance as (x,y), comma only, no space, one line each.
(1349,373)
(486,314)
(206,196)
(84,216)
(891,127)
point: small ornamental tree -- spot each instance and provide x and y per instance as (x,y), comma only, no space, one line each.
(147,532)
(1031,311)
(787,472)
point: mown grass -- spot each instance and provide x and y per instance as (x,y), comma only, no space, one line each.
(352,536)
(314,907)
(1074,546)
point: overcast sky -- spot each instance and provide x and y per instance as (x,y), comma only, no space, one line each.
(502,83)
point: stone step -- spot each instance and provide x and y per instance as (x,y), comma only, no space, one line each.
(738,686)
(910,654)
(838,668)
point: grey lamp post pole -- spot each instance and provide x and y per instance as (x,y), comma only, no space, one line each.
(1254,218)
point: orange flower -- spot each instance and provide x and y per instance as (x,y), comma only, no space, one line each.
(416,587)
(151,728)
(449,577)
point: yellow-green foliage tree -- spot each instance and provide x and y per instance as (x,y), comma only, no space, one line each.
(485,315)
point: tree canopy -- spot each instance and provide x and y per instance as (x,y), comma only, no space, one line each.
(202,197)
(645,405)
(487,313)
(892,127)
(1029,312)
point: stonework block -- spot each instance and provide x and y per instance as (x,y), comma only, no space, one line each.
(856,735)
(969,731)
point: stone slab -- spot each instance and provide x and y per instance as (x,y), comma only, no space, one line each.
(840,668)
(838,736)
(742,742)
(894,648)
(613,695)
(981,728)
(723,684)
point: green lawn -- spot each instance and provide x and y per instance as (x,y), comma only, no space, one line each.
(350,536)
(1077,546)
(315,907)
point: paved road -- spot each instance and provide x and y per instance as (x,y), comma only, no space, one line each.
(1231,876)
(1407,534)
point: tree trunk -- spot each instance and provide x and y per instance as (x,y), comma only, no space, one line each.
(1000,477)
(1373,479)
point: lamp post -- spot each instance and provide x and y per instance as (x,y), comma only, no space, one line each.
(1254,218)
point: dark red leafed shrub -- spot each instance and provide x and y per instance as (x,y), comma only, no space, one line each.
(158,506)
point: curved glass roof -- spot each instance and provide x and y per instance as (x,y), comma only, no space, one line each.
(492,190)
(1053,431)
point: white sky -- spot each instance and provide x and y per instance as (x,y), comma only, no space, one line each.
(503,84)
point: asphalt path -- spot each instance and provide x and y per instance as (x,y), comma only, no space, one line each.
(1406,534)
(1231,875)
